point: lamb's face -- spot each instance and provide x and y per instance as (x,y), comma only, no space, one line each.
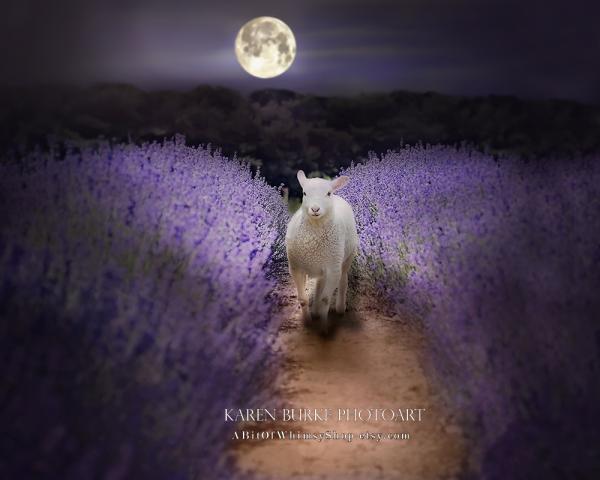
(317,194)
(316,197)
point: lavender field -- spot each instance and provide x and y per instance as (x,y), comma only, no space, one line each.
(136,302)
(501,260)
(135,288)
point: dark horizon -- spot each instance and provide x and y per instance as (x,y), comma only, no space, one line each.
(531,49)
(247,92)
(283,131)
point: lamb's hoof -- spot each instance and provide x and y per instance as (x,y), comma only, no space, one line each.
(340,310)
(324,325)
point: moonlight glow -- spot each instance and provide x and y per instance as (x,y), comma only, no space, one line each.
(265,47)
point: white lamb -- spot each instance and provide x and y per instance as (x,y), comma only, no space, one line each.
(321,242)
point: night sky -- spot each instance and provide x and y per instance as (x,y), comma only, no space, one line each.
(536,49)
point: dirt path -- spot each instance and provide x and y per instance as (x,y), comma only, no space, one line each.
(370,361)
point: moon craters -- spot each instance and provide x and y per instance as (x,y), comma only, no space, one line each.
(265,47)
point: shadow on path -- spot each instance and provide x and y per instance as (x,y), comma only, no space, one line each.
(370,360)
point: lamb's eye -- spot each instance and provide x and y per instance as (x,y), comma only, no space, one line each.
(304,193)
(329,194)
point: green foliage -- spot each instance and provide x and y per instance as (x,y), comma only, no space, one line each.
(282,131)
(294,204)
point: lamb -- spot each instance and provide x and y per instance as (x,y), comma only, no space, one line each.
(321,242)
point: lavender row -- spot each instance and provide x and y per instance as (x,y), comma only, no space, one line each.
(501,260)
(134,297)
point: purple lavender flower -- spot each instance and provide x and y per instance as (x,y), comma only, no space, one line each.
(134,303)
(501,259)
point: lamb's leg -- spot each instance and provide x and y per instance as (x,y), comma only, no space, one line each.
(320,283)
(340,304)
(299,278)
(331,281)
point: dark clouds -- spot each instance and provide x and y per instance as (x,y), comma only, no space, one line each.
(531,48)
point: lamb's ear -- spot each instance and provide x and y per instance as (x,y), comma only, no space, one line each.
(301,177)
(339,182)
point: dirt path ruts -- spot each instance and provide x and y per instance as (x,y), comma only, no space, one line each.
(372,360)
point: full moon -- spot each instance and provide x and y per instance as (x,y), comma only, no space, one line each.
(265,47)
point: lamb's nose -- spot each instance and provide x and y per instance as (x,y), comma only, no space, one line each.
(315,209)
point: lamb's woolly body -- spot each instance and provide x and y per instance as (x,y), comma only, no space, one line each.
(321,242)
(313,246)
